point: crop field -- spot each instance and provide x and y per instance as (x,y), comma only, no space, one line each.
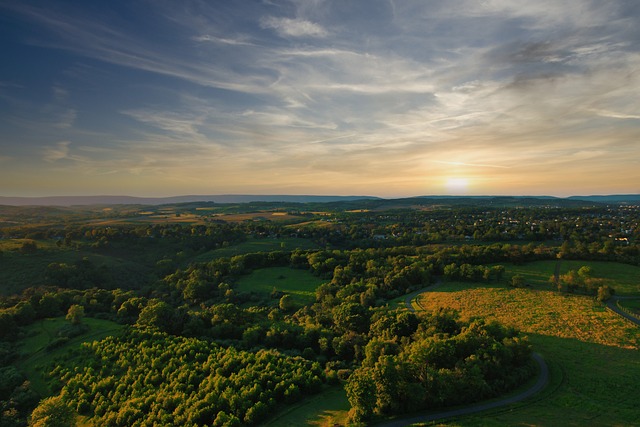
(299,283)
(35,356)
(259,216)
(593,354)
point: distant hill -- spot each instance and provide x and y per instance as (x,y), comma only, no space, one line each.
(128,200)
(344,202)
(613,198)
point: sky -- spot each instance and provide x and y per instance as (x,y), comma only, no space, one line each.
(382,98)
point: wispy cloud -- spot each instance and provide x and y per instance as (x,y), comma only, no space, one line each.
(293,27)
(57,152)
(475,165)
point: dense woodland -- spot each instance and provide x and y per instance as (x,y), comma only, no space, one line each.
(197,351)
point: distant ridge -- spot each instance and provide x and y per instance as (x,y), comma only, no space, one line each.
(370,201)
(129,200)
(613,198)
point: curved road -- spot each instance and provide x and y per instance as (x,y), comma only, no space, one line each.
(543,379)
(612,305)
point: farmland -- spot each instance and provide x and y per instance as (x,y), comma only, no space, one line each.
(584,343)
(202,294)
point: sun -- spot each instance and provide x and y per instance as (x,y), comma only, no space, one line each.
(457,185)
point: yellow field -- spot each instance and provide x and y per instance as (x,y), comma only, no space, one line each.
(591,352)
(537,311)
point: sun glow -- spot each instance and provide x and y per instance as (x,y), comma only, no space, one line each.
(457,185)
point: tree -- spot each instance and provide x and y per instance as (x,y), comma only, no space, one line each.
(29,247)
(361,392)
(52,412)
(75,314)
(351,317)
(286,303)
(604,293)
(157,314)
(517,281)
(585,272)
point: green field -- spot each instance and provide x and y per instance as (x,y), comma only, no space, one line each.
(624,278)
(301,284)
(324,410)
(592,352)
(257,245)
(34,355)
(632,305)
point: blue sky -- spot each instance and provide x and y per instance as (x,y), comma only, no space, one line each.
(386,98)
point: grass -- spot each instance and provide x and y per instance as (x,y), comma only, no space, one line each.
(624,278)
(324,410)
(301,284)
(633,305)
(33,348)
(257,245)
(595,351)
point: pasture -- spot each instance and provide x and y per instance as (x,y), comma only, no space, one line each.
(300,284)
(252,245)
(324,410)
(36,356)
(624,278)
(593,354)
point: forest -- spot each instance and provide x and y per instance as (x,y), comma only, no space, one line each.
(167,315)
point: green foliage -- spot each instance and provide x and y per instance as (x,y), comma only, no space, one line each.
(438,367)
(29,247)
(157,315)
(604,293)
(53,412)
(361,392)
(170,380)
(517,281)
(286,303)
(75,314)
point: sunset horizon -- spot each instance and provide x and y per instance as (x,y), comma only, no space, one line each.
(395,99)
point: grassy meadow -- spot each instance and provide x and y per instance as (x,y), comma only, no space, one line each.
(300,284)
(324,410)
(35,356)
(257,245)
(593,354)
(624,278)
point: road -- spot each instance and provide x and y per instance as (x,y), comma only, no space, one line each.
(542,381)
(613,306)
(540,384)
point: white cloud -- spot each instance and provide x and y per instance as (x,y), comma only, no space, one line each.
(222,40)
(293,27)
